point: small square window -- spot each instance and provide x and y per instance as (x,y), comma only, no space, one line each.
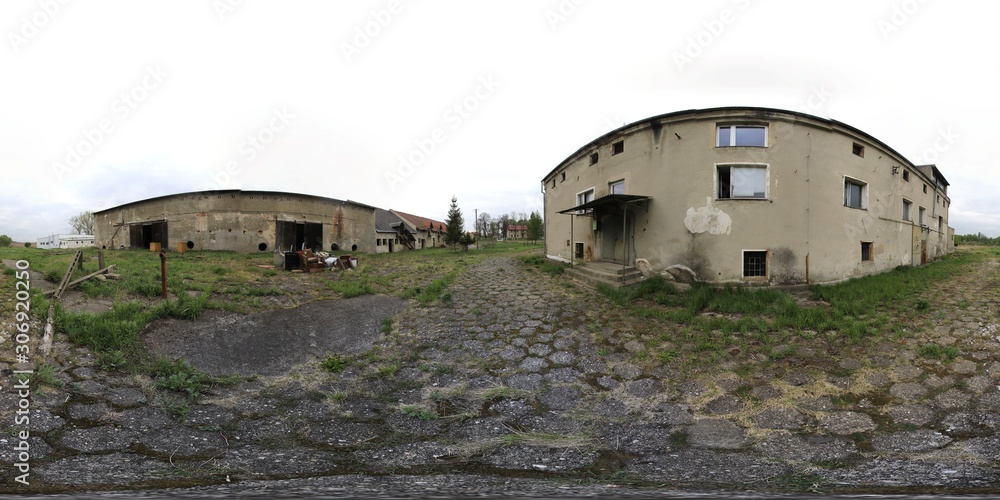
(618,148)
(855,193)
(593,158)
(858,150)
(906,175)
(755,263)
(866,252)
(617,187)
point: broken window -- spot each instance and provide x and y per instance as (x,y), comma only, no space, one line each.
(866,251)
(907,209)
(858,150)
(593,158)
(742,135)
(617,187)
(755,263)
(855,194)
(746,181)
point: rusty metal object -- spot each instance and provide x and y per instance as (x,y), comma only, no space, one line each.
(163,273)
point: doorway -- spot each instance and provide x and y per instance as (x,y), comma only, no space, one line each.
(616,238)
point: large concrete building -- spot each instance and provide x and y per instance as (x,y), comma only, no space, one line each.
(244,221)
(746,195)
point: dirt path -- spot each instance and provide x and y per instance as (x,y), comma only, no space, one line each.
(514,375)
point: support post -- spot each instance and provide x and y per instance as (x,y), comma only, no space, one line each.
(572,244)
(100,259)
(624,239)
(163,273)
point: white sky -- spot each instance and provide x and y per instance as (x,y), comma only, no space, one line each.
(533,81)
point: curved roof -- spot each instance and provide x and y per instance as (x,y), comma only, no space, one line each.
(725,109)
(233,191)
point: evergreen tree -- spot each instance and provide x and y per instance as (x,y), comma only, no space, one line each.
(456,225)
(534,226)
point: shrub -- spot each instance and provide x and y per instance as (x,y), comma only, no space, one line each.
(334,364)
(179,376)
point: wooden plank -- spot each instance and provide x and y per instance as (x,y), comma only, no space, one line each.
(81,280)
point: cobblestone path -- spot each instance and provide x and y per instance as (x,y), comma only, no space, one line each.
(516,373)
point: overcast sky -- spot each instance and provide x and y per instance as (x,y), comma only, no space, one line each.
(402,104)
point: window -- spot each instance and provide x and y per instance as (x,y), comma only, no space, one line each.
(742,135)
(858,150)
(553,182)
(578,250)
(866,252)
(741,181)
(593,158)
(940,224)
(584,197)
(925,188)
(907,208)
(855,194)
(906,175)
(563,177)
(922,212)
(617,187)
(618,148)
(755,263)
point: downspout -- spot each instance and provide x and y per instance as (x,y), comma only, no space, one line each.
(545,204)
(625,240)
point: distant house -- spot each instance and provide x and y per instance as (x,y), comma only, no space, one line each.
(517,232)
(66,241)
(392,234)
(427,232)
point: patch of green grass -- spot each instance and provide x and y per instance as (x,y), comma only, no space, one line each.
(939,352)
(334,363)
(45,374)
(421,413)
(545,265)
(386,325)
(179,376)
(350,288)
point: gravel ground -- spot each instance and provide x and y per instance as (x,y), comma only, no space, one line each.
(516,384)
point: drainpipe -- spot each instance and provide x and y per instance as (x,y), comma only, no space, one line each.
(624,239)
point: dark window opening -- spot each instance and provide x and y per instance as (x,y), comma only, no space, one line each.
(755,264)
(578,250)
(142,234)
(292,235)
(563,177)
(866,251)
(741,182)
(906,175)
(593,158)
(618,148)
(858,150)
(925,188)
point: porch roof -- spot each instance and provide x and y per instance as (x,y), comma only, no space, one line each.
(610,199)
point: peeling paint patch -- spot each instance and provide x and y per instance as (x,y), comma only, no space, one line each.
(708,219)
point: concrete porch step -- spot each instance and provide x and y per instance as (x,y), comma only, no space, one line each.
(610,274)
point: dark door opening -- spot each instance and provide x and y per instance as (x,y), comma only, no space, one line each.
(292,235)
(142,234)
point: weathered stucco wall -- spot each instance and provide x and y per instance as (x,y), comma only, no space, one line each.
(802,221)
(244,221)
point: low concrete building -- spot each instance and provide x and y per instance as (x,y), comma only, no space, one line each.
(243,221)
(65,241)
(746,195)
(429,233)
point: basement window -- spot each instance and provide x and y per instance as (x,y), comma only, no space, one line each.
(858,150)
(855,194)
(618,148)
(593,158)
(742,135)
(755,263)
(578,250)
(866,252)
(741,182)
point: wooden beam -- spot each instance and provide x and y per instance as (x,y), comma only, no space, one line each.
(81,280)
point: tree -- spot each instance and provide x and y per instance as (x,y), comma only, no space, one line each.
(27,244)
(456,226)
(466,240)
(83,223)
(504,222)
(483,226)
(534,227)
(5,240)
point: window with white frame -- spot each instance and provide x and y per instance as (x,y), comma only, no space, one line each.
(907,209)
(584,197)
(855,193)
(741,182)
(741,135)
(617,187)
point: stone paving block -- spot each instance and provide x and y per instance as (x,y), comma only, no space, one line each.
(716,433)
(846,422)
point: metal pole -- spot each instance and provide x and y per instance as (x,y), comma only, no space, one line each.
(163,273)
(572,244)
(624,239)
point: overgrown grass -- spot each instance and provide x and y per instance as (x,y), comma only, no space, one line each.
(544,265)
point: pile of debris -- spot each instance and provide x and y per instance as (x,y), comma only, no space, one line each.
(307,261)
